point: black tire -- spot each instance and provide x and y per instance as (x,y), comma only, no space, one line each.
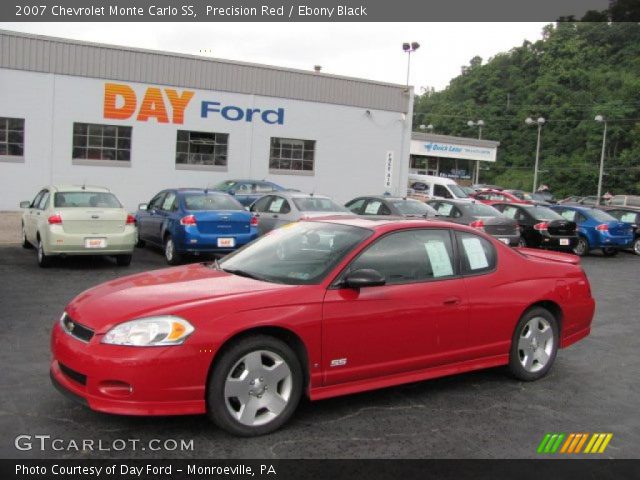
(44,261)
(25,242)
(170,255)
(219,407)
(519,351)
(609,251)
(522,242)
(123,260)
(582,247)
(636,246)
(140,243)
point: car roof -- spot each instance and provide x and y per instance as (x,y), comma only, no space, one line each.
(77,188)
(291,195)
(196,190)
(387,197)
(389,223)
(247,180)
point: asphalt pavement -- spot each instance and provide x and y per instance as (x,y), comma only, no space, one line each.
(593,387)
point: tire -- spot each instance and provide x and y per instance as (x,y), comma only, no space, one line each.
(635,246)
(609,252)
(123,260)
(171,256)
(277,371)
(44,261)
(522,242)
(582,247)
(25,242)
(532,356)
(139,243)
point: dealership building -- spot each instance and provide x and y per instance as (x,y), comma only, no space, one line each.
(138,121)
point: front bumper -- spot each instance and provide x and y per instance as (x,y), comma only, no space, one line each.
(58,242)
(162,380)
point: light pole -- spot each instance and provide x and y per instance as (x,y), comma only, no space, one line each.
(409,48)
(479,124)
(540,122)
(600,118)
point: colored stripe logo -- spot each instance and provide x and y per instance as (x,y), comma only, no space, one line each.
(574,443)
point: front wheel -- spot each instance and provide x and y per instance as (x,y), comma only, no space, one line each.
(522,242)
(255,386)
(609,251)
(170,254)
(636,246)
(534,345)
(582,247)
(123,260)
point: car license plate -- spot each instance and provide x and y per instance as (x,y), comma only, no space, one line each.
(564,241)
(95,243)
(504,240)
(226,242)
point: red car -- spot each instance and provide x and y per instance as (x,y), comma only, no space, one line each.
(321,308)
(498,196)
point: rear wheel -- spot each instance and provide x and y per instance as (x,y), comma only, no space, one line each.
(534,345)
(170,254)
(582,247)
(609,251)
(44,260)
(25,242)
(255,386)
(139,243)
(123,260)
(636,246)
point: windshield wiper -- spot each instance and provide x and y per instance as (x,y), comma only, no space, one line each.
(215,264)
(243,273)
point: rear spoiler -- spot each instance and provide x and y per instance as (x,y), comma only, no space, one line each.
(549,255)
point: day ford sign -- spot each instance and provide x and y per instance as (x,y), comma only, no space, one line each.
(452,150)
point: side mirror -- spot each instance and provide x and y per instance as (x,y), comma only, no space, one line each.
(366,277)
(25,204)
(231,192)
(142,206)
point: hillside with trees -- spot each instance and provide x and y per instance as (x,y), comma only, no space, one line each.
(576,71)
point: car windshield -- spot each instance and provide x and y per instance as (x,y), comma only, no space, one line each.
(601,216)
(544,213)
(202,201)
(85,200)
(225,186)
(317,204)
(301,253)
(413,207)
(457,191)
(482,210)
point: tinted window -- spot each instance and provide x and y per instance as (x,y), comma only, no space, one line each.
(569,215)
(262,187)
(376,207)
(261,204)
(225,186)
(279,205)
(482,210)
(478,255)
(601,216)
(444,209)
(168,203)
(409,256)
(36,200)
(156,201)
(315,204)
(86,200)
(544,213)
(412,207)
(441,191)
(201,201)
(356,205)
(512,212)
(44,200)
(458,192)
(297,254)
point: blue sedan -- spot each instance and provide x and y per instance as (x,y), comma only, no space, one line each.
(192,221)
(596,229)
(248,191)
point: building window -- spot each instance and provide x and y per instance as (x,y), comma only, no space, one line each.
(202,149)
(11,137)
(93,141)
(291,155)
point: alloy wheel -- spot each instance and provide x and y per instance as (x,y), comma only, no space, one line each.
(535,344)
(169,249)
(258,388)
(636,246)
(40,251)
(581,247)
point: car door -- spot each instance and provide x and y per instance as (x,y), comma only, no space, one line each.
(41,216)
(277,213)
(418,319)
(259,209)
(149,219)
(30,217)
(166,211)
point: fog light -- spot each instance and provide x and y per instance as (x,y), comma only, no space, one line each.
(115,388)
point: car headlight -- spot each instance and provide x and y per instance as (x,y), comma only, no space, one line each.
(150,332)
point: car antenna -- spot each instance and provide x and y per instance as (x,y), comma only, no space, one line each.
(84,182)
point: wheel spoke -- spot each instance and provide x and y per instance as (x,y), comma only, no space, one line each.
(275,374)
(253,363)
(528,362)
(248,412)
(541,356)
(275,403)
(523,344)
(545,335)
(236,388)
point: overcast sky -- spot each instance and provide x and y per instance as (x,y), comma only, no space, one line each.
(365,50)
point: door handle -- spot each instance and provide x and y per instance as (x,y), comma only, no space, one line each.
(451,301)
(275,216)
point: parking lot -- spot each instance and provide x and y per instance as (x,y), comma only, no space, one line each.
(593,386)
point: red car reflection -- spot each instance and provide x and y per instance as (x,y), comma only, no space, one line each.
(318,308)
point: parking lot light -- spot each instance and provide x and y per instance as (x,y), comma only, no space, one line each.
(601,119)
(540,122)
(479,124)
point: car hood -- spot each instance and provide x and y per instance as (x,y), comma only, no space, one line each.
(157,293)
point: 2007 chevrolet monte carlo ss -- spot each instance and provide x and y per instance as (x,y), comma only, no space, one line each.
(323,308)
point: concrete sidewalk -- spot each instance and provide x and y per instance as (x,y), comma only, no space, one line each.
(10,227)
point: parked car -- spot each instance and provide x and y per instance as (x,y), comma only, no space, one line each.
(478,187)
(383,205)
(490,197)
(192,221)
(537,198)
(480,216)
(248,191)
(435,187)
(630,215)
(588,201)
(468,190)
(572,199)
(543,196)
(596,229)
(77,220)
(321,308)
(624,201)
(541,227)
(283,208)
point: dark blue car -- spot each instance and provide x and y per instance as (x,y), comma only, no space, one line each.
(248,191)
(596,230)
(191,221)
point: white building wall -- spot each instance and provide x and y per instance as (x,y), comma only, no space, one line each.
(351,144)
